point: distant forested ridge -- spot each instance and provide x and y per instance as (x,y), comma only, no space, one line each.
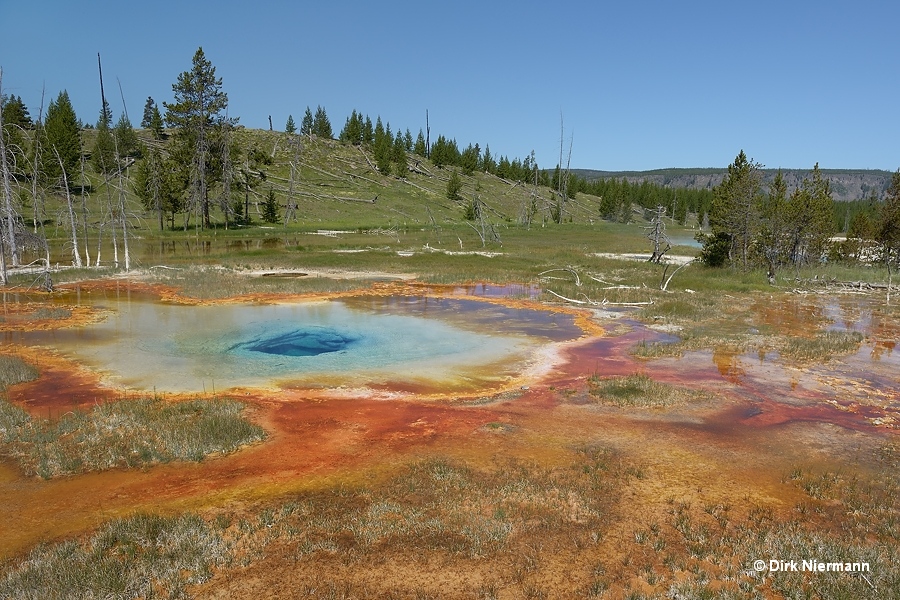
(846,184)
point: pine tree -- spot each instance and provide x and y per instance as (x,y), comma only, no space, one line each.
(352,131)
(199,108)
(126,139)
(290,127)
(157,124)
(378,134)
(419,147)
(440,152)
(306,125)
(468,160)
(155,185)
(368,136)
(809,213)
(504,171)
(321,125)
(488,164)
(408,140)
(771,239)
(15,121)
(735,209)
(888,228)
(454,187)
(270,208)
(383,148)
(572,188)
(61,133)
(15,113)
(103,155)
(398,156)
(106,113)
(149,107)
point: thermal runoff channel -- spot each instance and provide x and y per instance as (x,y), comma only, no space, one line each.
(450,346)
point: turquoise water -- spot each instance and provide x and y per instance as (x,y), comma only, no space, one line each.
(401,343)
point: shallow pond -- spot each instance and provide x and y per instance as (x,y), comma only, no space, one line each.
(402,343)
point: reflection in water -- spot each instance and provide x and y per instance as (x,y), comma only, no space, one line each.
(441,344)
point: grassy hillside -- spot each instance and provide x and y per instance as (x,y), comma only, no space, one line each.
(336,187)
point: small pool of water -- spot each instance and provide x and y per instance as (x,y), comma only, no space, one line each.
(405,342)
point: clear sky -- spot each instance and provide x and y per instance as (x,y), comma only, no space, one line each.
(639,85)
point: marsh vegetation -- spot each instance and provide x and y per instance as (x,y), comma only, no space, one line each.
(641,391)
(128,433)
(504,528)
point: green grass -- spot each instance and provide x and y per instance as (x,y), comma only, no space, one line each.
(51,313)
(435,505)
(410,214)
(518,515)
(127,433)
(14,370)
(798,350)
(846,518)
(820,348)
(143,556)
(641,391)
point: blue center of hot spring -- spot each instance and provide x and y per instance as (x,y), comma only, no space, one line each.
(311,341)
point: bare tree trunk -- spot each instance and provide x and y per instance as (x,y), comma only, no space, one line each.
(99,240)
(227,172)
(4,278)
(201,142)
(565,189)
(115,239)
(657,235)
(155,185)
(532,209)
(290,213)
(121,208)
(247,192)
(112,219)
(124,227)
(665,285)
(7,190)
(87,252)
(75,254)
(890,276)
(34,171)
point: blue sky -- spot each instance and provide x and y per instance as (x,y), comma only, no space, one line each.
(639,85)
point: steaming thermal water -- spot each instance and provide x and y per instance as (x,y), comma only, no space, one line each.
(444,345)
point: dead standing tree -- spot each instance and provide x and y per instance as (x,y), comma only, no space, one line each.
(291,212)
(529,206)
(485,230)
(7,190)
(36,189)
(657,235)
(76,256)
(558,211)
(10,215)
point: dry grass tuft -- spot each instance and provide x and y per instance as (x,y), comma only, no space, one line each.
(639,390)
(127,433)
(820,348)
(14,370)
(143,556)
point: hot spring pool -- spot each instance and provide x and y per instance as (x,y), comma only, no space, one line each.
(403,343)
